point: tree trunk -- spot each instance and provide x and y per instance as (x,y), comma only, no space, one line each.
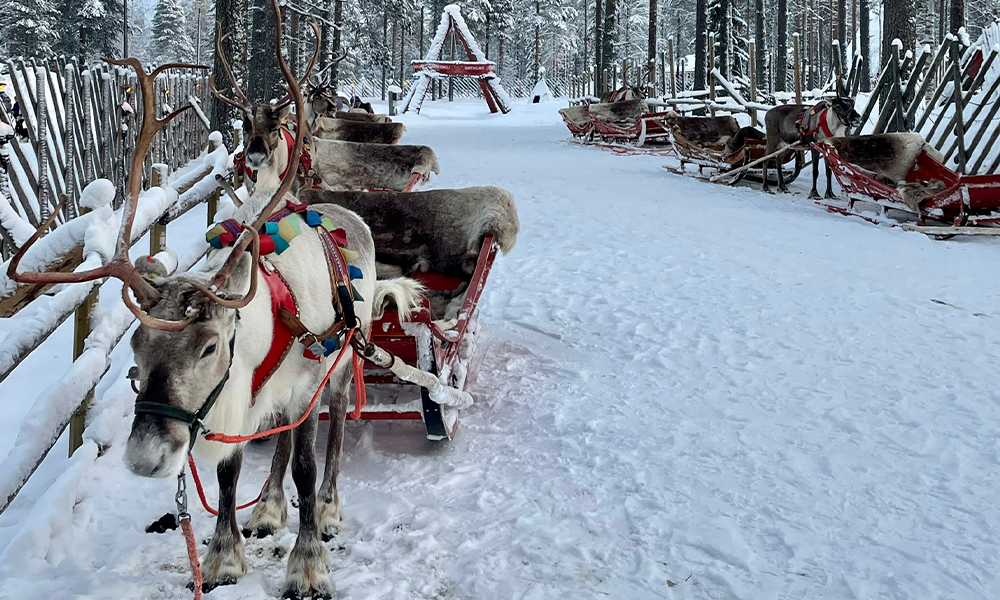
(231,15)
(538,18)
(701,44)
(781,62)
(608,53)
(864,39)
(760,44)
(263,59)
(842,22)
(725,37)
(651,46)
(335,51)
(899,21)
(598,47)
(957,16)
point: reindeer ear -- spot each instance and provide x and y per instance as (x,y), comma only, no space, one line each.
(283,112)
(238,281)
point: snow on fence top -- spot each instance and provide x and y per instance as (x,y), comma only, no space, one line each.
(86,131)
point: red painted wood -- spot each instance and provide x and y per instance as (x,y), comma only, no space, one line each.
(454,68)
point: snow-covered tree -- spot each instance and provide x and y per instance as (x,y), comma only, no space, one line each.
(90,29)
(170,41)
(28,27)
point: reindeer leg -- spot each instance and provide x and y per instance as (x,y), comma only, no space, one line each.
(271,513)
(781,174)
(307,563)
(767,187)
(829,182)
(813,194)
(224,562)
(330,510)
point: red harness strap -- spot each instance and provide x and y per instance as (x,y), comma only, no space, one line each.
(281,341)
(821,121)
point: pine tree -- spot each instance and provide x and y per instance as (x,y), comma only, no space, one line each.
(170,41)
(90,30)
(232,17)
(28,27)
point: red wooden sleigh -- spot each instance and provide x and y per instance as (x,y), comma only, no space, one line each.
(968,204)
(429,340)
(650,128)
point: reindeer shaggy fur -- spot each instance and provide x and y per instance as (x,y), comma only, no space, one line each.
(182,368)
(349,130)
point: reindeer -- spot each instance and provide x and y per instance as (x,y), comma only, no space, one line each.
(383,165)
(203,334)
(792,123)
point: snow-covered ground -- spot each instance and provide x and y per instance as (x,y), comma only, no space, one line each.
(685,391)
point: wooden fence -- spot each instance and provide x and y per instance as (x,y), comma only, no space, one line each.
(81,124)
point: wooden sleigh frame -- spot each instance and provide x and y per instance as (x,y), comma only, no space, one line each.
(715,158)
(969,204)
(441,422)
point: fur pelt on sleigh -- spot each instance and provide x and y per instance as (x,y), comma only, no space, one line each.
(351,165)
(889,157)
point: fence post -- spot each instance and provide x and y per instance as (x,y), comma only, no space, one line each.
(670,59)
(711,67)
(81,329)
(42,117)
(798,69)
(158,232)
(956,73)
(753,81)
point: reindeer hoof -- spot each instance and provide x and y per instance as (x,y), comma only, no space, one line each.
(830,196)
(812,195)
(767,190)
(261,532)
(208,587)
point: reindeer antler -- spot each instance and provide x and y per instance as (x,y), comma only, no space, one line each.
(295,91)
(119,267)
(243,104)
(312,62)
(335,62)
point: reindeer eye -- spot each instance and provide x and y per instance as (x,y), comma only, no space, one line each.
(209,350)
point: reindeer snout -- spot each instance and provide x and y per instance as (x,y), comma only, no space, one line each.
(150,455)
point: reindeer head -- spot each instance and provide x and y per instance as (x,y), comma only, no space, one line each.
(321,97)
(843,106)
(262,133)
(261,122)
(181,369)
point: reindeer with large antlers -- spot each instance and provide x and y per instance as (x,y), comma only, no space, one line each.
(217,352)
(363,157)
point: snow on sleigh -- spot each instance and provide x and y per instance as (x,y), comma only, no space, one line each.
(720,145)
(622,125)
(447,240)
(943,203)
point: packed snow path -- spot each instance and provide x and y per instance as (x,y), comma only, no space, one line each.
(685,391)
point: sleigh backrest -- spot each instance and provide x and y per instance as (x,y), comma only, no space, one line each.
(437,230)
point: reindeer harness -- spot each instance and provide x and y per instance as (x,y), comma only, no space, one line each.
(815,116)
(275,236)
(305,160)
